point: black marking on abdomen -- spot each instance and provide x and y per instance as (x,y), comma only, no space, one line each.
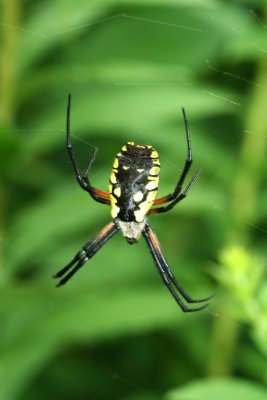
(132,175)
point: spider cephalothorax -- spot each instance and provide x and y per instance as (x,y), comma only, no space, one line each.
(132,195)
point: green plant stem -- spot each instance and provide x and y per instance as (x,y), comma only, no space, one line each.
(243,210)
(251,160)
(10,10)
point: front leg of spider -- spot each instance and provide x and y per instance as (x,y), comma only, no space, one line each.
(133,188)
(82,178)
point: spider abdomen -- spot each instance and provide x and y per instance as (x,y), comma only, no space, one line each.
(134,182)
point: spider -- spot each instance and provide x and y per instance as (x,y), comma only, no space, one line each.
(132,193)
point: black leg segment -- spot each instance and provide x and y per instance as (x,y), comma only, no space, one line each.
(167,275)
(186,168)
(177,200)
(87,252)
(82,178)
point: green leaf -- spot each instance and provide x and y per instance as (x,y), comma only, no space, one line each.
(40,322)
(147,112)
(219,389)
(56,216)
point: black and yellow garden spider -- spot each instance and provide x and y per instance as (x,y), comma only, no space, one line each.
(132,193)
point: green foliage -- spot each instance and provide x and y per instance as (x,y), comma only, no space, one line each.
(218,389)
(114,332)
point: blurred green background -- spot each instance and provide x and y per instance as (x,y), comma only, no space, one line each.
(114,332)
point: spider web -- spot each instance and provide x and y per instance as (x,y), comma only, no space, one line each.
(220,74)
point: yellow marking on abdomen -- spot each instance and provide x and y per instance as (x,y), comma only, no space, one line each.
(154,154)
(117,191)
(116,163)
(138,196)
(153,184)
(143,209)
(154,170)
(145,206)
(114,208)
(113,178)
(151,196)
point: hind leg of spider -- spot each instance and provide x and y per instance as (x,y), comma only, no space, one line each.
(165,266)
(87,252)
(166,274)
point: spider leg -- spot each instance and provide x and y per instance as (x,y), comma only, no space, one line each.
(187,165)
(166,274)
(178,198)
(87,252)
(82,178)
(156,246)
